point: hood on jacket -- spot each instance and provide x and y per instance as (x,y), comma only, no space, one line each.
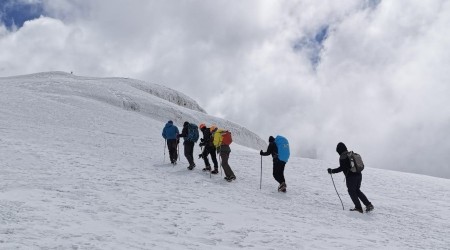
(169,124)
(341,148)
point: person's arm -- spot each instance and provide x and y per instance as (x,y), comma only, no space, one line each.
(183,132)
(203,140)
(336,170)
(270,149)
(164,133)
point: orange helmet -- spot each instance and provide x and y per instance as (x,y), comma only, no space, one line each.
(212,128)
(202,125)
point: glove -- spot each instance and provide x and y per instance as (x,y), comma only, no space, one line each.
(329,171)
(261,152)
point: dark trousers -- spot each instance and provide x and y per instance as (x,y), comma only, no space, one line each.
(189,152)
(226,167)
(353,186)
(278,170)
(210,151)
(172,146)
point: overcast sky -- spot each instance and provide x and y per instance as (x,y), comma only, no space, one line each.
(372,74)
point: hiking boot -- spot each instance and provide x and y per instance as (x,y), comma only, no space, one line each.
(282,186)
(191,167)
(357,209)
(369,208)
(215,171)
(231,178)
(207,168)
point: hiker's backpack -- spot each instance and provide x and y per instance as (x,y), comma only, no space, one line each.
(283,148)
(356,162)
(192,133)
(226,137)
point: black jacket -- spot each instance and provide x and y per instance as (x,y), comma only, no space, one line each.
(184,134)
(207,139)
(272,149)
(344,161)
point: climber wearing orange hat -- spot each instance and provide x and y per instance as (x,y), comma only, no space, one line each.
(209,149)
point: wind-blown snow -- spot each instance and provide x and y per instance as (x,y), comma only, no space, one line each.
(83,167)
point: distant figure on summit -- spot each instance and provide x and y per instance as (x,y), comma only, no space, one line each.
(353,179)
(170,134)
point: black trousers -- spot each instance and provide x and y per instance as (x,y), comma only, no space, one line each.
(278,170)
(210,151)
(189,152)
(353,186)
(172,146)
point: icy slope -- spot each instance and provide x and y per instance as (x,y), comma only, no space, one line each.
(155,101)
(81,172)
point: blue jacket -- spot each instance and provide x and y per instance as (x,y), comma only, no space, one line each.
(170,131)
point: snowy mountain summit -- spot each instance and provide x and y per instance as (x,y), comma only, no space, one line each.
(83,166)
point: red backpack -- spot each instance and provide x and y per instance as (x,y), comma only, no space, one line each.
(226,138)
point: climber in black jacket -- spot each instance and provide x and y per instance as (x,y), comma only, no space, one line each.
(353,180)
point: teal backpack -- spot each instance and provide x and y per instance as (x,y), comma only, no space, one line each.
(193,134)
(283,148)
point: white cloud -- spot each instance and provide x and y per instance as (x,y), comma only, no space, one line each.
(381,84)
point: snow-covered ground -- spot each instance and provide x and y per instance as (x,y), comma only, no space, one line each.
(82,166)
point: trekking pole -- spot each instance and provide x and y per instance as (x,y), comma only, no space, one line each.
(337,192)
(175,161)
(165,143)
(201,151)
(220,159)
(178,150)
(260,179)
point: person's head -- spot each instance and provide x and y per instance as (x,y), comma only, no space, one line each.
(271,139)
(202,126)
(170,122)
(341,148)
(213,128)
(185,124)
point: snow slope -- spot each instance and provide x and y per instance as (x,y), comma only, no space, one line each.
(82,167)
